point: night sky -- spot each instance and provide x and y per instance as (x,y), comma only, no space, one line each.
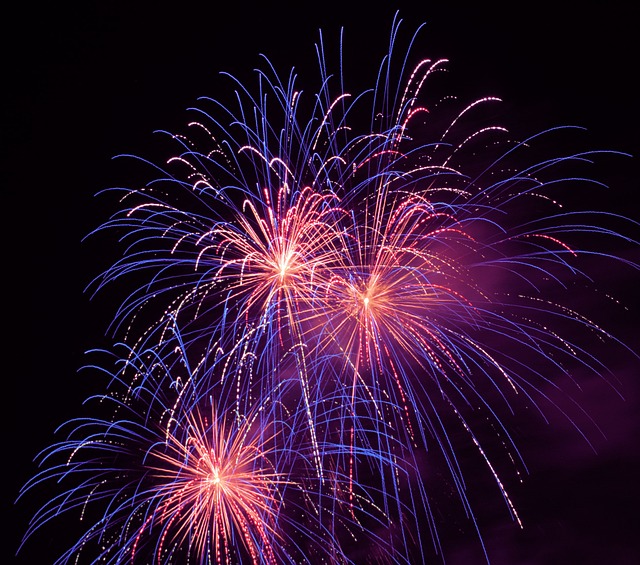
(85,83)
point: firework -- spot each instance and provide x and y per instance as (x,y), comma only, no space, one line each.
(365,285)
(178,479)
(172,467)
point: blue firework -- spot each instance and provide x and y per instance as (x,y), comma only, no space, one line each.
(377,281)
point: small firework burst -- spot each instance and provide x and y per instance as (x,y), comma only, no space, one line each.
(178,479)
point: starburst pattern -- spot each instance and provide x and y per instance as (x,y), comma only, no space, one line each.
(361,283)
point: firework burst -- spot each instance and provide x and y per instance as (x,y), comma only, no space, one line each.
(214,483)
(178,478)
(365,285)
(172,466)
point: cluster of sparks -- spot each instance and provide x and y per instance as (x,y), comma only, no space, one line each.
(318,309)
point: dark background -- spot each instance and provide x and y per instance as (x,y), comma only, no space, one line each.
(83,83)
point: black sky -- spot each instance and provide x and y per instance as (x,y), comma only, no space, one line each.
(84,83)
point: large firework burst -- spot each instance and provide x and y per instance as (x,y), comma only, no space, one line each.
(365,286)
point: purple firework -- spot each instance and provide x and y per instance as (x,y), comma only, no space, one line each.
(389,272)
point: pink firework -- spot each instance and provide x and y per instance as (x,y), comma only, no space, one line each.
(215,485)
(364,301)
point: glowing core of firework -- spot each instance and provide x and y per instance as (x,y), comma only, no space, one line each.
(212,483)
